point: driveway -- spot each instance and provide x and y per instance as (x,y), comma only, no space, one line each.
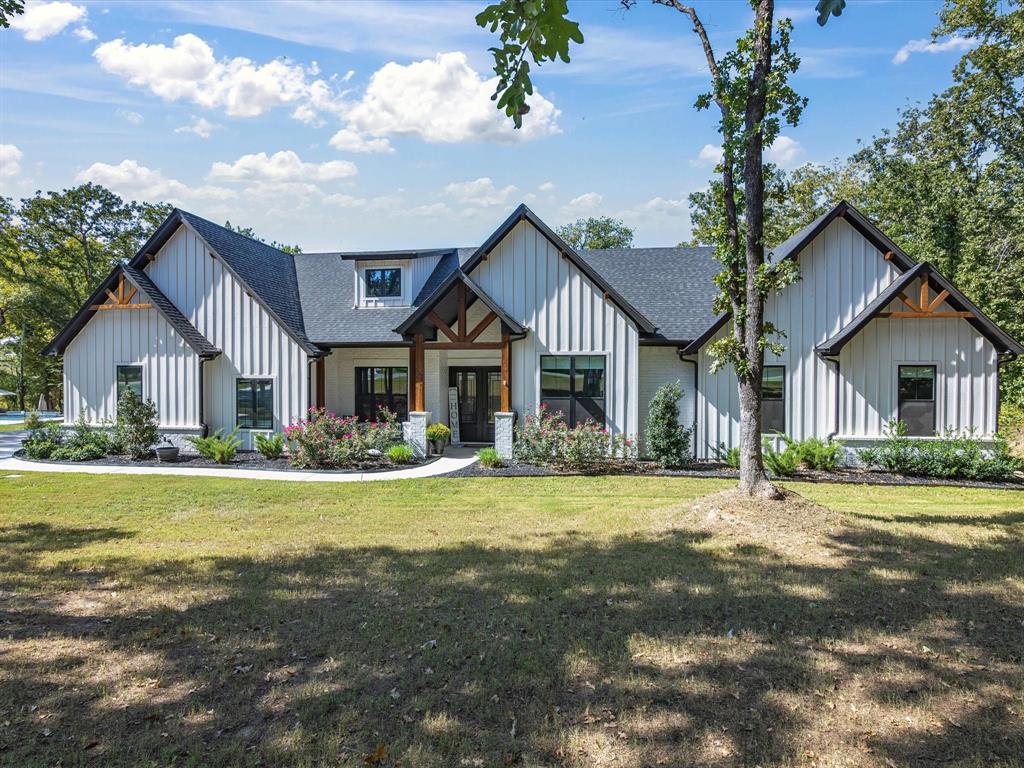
(11,442)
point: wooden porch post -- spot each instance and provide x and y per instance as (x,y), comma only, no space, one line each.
(321,383)
(419,398)
(506,373)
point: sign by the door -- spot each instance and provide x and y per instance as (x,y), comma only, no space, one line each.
(453,415)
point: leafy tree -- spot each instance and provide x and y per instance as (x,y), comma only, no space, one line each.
(603,232)
(751,92)
(10,8)
(251,233)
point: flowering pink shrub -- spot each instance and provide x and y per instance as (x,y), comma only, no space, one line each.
(326,440)
(546,439)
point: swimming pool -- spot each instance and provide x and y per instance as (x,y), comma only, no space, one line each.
(14,416)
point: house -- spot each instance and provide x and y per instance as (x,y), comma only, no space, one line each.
(220,330)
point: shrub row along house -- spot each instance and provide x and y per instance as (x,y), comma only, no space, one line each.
(220,330)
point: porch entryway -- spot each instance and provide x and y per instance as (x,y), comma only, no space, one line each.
(479,394)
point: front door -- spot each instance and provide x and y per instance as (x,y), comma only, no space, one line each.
(479,398)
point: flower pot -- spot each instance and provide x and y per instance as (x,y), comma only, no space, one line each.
(167,453)
(439,447)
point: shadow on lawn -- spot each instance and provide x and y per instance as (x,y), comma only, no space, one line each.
(661,650)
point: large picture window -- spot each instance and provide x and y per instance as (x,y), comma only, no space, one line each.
(129,377)
(384,283)
(917,399)
(379,387)
(574,385)
(254,403)
(773,399)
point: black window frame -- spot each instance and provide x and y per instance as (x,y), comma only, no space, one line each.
(368,404)
(581,394)
(900,399)
(773,399)
(366,282)
(117,379)
(252,420)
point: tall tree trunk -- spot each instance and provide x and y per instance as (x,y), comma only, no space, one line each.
(753,479)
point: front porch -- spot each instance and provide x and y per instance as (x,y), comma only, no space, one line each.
(458,339)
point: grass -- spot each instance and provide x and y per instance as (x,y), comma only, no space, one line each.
(491,622)
(12,426)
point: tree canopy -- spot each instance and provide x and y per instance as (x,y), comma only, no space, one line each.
(600,232)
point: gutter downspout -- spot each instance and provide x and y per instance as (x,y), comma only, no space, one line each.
(696,390)
(204,429)
(831,435)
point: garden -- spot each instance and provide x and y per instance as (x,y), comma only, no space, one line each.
(322,441)
(545,444)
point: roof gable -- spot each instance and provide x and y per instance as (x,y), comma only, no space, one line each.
(458,276)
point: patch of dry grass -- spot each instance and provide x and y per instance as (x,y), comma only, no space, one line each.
(540,622)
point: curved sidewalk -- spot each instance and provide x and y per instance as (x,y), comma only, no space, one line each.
(458,459)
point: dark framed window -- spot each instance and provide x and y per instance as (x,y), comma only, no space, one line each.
(254,403)
(129,377)
(383,283)
(773,399)
(574,385)
(917,399)
(379,387)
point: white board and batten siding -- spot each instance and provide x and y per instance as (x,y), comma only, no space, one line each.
(253,344)
(841,272)
(659,366)
(567,314)
(170,367)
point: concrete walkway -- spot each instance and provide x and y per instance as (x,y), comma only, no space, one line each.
(453,459)
(11,442)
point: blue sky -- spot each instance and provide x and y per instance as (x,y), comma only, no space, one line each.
(367,125)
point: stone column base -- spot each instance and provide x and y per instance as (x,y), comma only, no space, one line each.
(503,423)
(415,432)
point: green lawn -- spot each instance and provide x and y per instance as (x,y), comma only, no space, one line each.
(489,622)
(16,426)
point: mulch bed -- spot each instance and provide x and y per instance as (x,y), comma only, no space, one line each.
(716,470)
(243,460)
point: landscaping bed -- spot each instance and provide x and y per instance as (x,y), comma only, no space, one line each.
(242,460)
(720,471)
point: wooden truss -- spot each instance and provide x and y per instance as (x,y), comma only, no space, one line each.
(925,308)
(121,299)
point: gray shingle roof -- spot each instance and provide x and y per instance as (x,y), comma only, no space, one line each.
(270,273)
(673,287)
(171,313)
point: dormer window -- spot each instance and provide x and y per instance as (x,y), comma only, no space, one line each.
(383,283)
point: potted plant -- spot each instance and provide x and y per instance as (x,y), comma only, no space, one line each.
(438,434)
(166,451)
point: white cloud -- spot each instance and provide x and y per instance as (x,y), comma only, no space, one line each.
(283,166)
(547,186)
(135,181)
(85,34)
(379,203)
(431,210)
(132,117)
(955,43)
(661,205)
(43,20)
(480,192)
(582,205)
(10,161)
(710,154)
(784,151)
(189,71)
(348,140)
(442,100)
(200,126)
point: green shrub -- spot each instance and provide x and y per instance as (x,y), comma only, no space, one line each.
(728,456)
(82,443)
(135,430)
(33,421)
(668,442)
(546,440)
(438,431)
(953,456)
(489,458)
(326,440)
(815,453)
(270,446)
(217,447)
(400,454)
(781,463)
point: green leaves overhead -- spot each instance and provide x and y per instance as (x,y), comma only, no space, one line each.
(529,30)
(826,8)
